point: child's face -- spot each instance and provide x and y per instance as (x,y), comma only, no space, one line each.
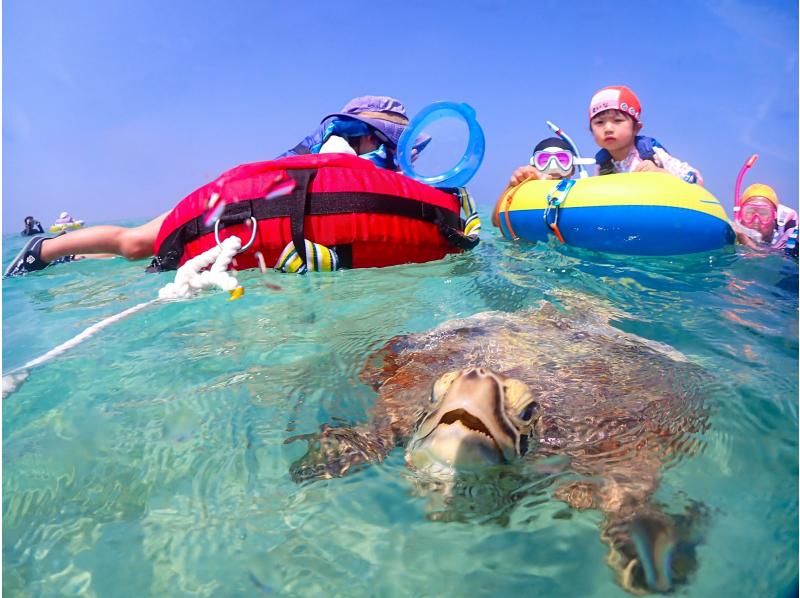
(553,163)
(758,214)
(365,144)
(614,130)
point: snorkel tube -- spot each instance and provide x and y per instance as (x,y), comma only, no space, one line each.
(578,160)
(737,200)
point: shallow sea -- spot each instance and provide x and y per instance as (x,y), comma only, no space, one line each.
(150,458)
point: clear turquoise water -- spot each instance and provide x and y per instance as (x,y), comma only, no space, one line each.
(150,459)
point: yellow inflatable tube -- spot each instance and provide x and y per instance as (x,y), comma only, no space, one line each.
(57,228)
(643,213)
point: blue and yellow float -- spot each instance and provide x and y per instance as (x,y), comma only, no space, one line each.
(642,213)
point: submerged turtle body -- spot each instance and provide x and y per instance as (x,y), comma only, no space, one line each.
(496,387)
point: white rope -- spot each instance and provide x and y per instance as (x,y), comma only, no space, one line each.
(189,280)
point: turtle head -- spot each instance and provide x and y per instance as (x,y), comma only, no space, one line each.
(476,418)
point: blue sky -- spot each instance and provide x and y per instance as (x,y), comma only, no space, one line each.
(118,109)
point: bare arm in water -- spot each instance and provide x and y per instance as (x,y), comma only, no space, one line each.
(131,243)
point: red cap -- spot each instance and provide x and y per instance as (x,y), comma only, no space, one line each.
(615,97)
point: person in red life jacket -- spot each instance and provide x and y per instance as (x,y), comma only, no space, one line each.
(552,158)
(368,126)
(615,121)
(764,223)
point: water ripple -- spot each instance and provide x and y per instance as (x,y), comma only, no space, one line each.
(150,460)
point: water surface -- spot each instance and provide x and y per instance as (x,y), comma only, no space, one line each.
(150,459)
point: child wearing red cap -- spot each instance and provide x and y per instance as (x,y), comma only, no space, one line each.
(615,119)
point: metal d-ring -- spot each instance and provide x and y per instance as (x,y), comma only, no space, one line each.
(249,243)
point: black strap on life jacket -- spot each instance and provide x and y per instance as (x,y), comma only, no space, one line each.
(301,203)
(298,209)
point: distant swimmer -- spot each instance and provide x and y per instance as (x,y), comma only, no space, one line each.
(32,227)
(763,223)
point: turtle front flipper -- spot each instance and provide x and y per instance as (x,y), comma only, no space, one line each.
(336,452)
(653,551)
(641,545)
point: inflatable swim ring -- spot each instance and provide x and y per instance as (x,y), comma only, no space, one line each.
(66,226)
(643,213)
(370,216)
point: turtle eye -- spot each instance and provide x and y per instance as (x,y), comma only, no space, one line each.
(527,413)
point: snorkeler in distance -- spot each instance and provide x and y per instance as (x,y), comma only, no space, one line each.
(65,218)
(32,227)
(763,223)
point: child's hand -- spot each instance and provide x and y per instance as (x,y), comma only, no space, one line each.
(522,174)
(742,237)
(647,166)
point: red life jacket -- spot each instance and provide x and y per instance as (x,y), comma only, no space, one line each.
(372,217)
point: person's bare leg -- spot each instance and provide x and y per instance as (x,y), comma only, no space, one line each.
(131,243)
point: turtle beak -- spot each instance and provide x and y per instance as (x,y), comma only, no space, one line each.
(469,427)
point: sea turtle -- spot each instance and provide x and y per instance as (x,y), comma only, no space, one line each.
(499,391)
